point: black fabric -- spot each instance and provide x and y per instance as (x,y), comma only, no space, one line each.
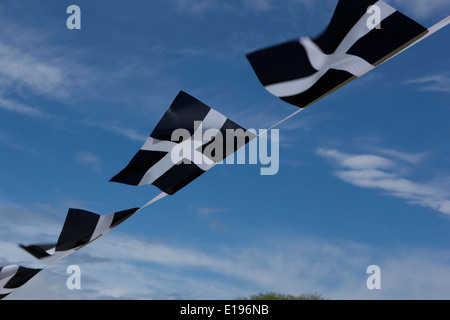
(396,31)
(327,83)
(178,177)
(121,216)
(183,112)
(133,173)
(38,250)
(287,61)
(230,144)
(346,15)
(21,277)
(77,230)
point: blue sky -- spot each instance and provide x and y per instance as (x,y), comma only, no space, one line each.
(364,173)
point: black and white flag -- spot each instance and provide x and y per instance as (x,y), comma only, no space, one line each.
(361,35)
(80,228)
(188,141)
(13,277)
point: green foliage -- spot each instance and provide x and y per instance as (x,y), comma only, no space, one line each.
(281,296)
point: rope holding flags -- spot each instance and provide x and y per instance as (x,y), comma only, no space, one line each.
(298,72)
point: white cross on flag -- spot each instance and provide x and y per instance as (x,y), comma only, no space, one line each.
(303,71)
(188,141)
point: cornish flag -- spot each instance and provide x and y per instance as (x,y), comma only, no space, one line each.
(303,71)
(13,277)
(80,228)
(184,145)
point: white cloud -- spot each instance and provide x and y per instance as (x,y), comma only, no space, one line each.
(33,68)
(436,83)
(198,6)
(90,159)
(13,143)
(121,266)
(29,64)
(117,129)
(376,172)
(207,212)
(421,8)
(264,6)
(259,5)
(23,68)
(366,162)
(124,266)
(413,158)
(23,226)
(23,109)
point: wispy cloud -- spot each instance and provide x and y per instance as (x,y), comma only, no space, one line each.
(208,212)
(423,9)
(117,129)
(64,80)
(89,159)
(22,225)
(13,143)
(212,216)
(436,83)
(23,109)
(24,69)
(29,66)
(125,266)
(121,266)
(33,68)
(199,6)
(381,173)
(239,7)
(412,158)
(259,5)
